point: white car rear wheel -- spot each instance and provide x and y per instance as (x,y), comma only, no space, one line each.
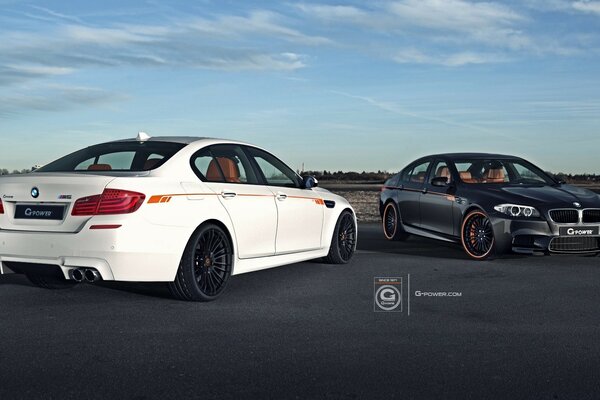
(205,267)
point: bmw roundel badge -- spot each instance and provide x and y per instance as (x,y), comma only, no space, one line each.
(576,204)
(35,193)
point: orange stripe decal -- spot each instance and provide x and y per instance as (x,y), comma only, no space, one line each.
(165,198)
(159,199)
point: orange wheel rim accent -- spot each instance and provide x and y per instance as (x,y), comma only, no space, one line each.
(472,235)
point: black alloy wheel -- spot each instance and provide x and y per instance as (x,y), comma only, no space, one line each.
(478,235)
(392,225)
(205,267)
(343,243)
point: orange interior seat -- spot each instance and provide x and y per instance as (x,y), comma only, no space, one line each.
(495,175)
(444,172)
(100,167)
(466,177)
(229,168)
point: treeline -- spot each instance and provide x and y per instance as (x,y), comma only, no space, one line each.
(578,178)
(364,176)
(4,171)
(381,176)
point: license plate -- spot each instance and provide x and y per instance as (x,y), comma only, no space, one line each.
(39,212)
(580,231)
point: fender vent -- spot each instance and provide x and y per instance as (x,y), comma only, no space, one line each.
(329,203)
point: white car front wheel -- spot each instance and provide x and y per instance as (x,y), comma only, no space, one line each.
(343,242)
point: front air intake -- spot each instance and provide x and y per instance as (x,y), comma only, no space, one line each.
(575,244)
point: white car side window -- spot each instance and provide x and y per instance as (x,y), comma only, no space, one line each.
(272,174)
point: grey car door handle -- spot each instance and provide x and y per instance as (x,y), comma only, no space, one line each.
(281,196)
(228,195)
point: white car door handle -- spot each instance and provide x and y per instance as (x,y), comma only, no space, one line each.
(281,196)
(228,195)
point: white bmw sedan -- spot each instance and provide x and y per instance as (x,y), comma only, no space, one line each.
(188,211)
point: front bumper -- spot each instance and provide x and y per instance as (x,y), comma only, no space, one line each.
(148,253)
(539,236)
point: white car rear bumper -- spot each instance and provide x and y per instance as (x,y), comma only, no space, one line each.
(148,254)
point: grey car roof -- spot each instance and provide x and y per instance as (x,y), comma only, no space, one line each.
(457,156)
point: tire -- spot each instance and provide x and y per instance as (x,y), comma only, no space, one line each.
(477,236)
(50,282)
(392,223)
(343,242)
(205,267)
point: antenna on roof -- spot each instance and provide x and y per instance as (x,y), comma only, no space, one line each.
(142,136)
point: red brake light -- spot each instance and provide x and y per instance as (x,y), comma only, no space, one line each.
(86,206)
(1,207)
(110,202)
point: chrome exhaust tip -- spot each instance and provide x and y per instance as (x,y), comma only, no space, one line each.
(91,275)
(76,275)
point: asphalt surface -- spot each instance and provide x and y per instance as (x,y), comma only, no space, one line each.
(524,328)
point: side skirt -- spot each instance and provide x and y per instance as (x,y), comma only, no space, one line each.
(257,264)
(431,235)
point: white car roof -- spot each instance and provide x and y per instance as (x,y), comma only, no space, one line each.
(174,139)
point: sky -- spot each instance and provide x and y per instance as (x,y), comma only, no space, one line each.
(340,85)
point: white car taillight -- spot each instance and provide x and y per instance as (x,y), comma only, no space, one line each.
(110,202)
(1,207)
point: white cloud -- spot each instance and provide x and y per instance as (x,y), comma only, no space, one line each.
(224,42)
(396,108)
(454,32)
(54,98)
(414,56)
(486,22)
(336,12)
(105,36)
(455,15)
(465,58)
(265,23)
(592,7)
(40,70)
(56,15)
(30,59)
(585,6)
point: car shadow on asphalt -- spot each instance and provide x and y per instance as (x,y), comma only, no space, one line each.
(159,290)
(155,289)
(14,279)
(371,239)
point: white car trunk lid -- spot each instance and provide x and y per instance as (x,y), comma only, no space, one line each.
(42,202)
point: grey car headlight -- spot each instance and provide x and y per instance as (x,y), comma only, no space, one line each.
(516,210)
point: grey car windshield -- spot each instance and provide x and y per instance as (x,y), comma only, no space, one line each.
(501,171)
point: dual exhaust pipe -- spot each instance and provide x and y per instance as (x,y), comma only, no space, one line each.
(84,274)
